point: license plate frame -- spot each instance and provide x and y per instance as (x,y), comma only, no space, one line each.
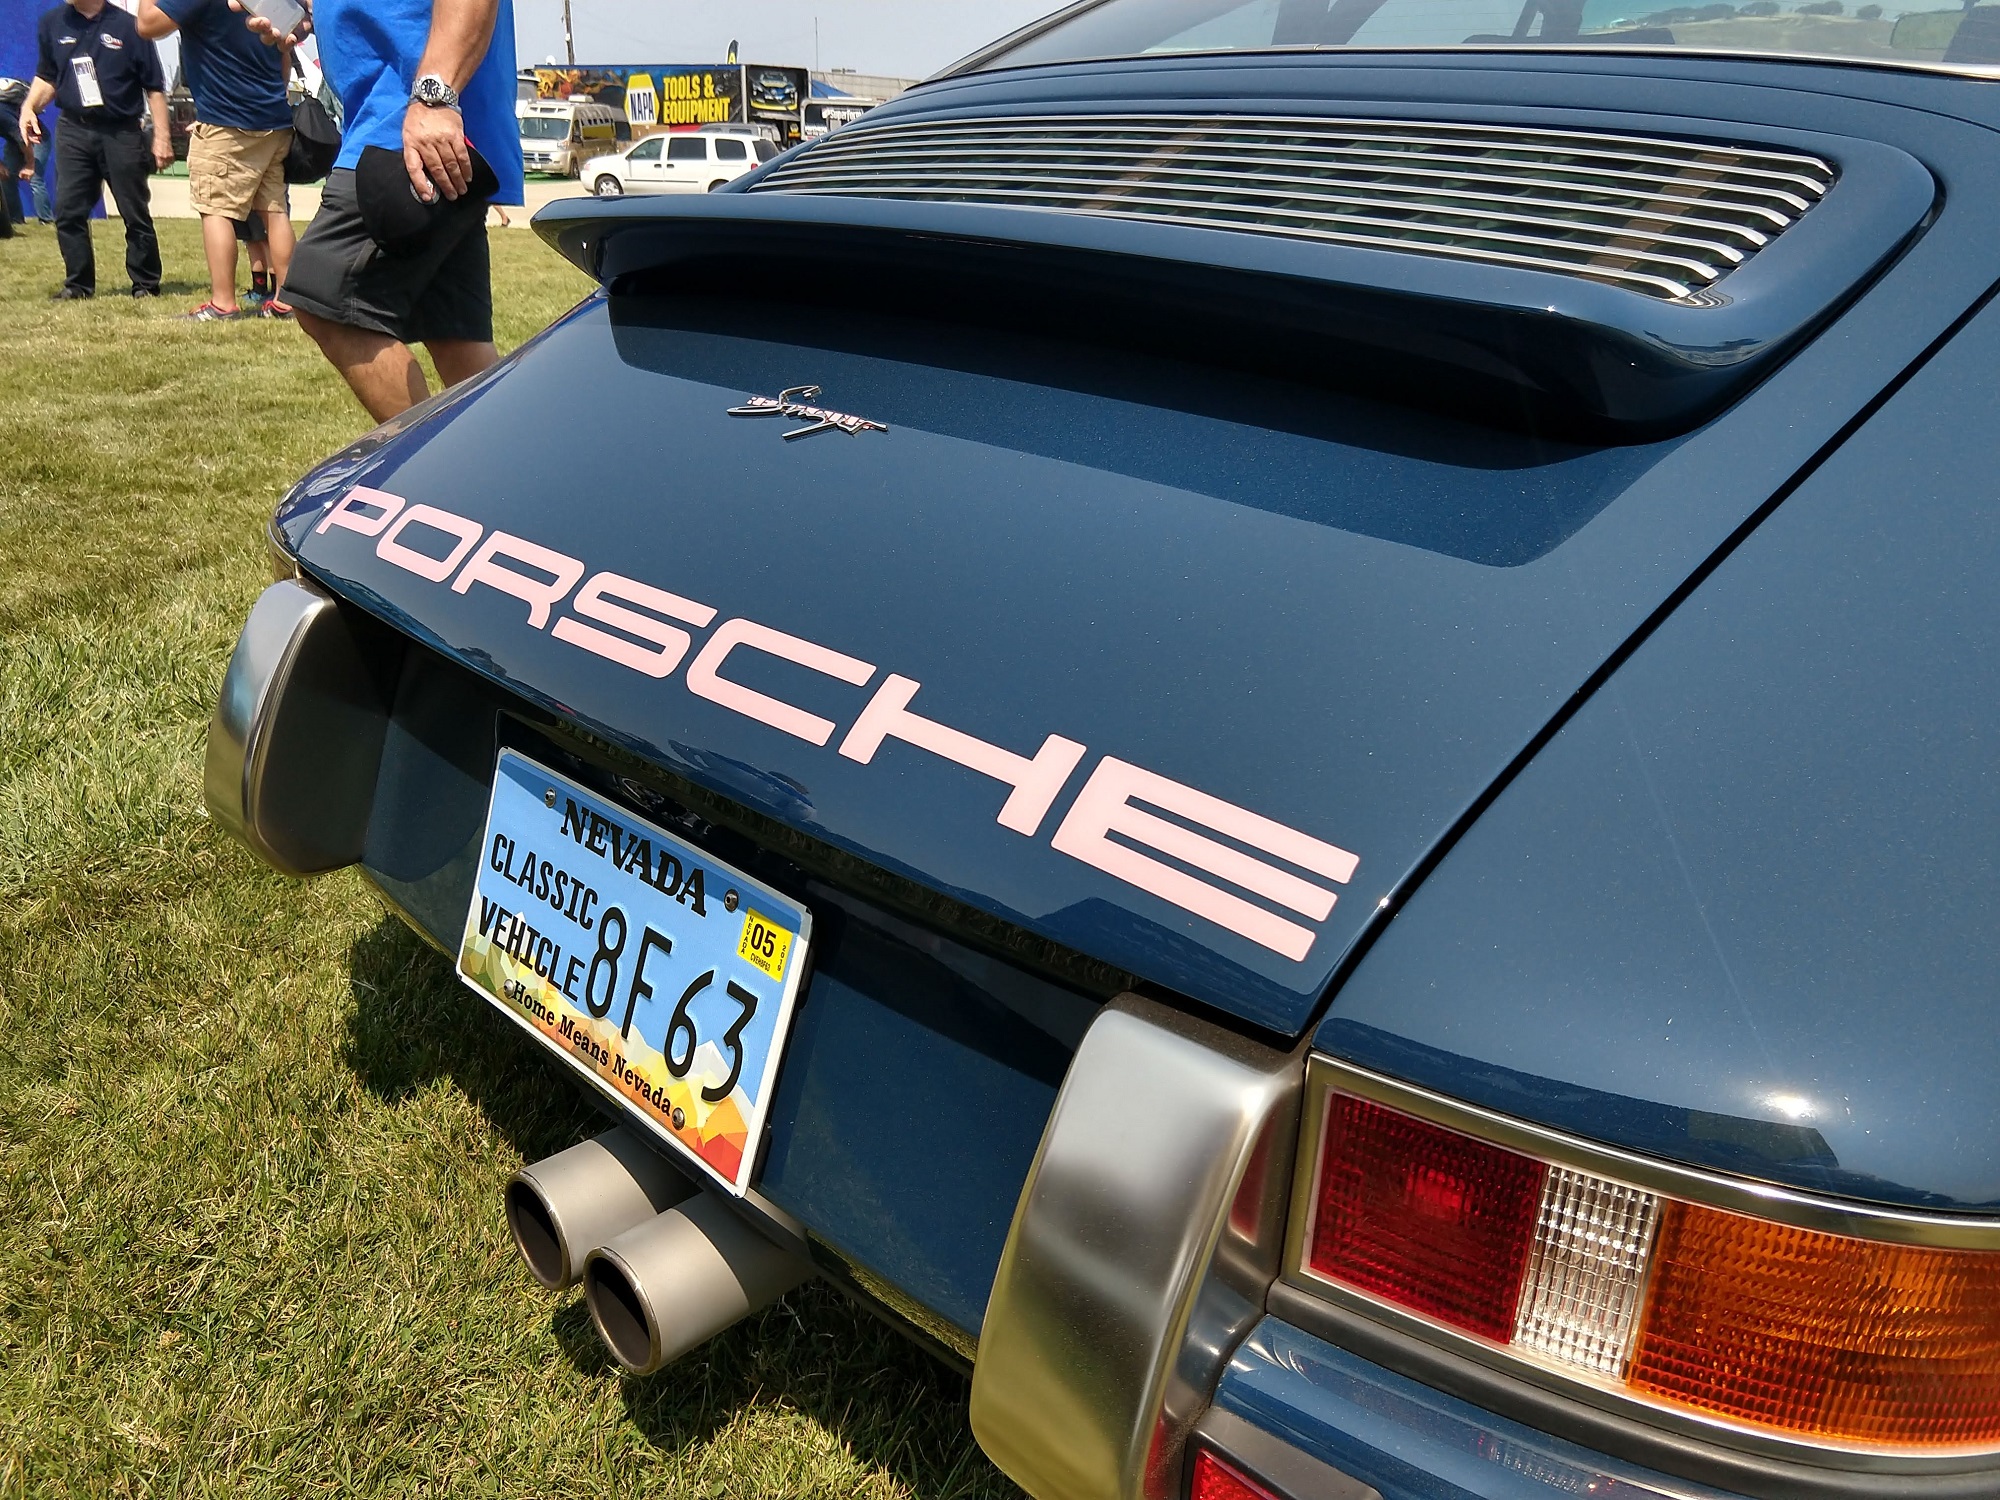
(706,967)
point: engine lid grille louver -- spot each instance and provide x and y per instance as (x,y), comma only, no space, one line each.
(1592,276)
(1661,217)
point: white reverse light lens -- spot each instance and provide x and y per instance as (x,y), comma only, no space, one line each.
(1586,1272)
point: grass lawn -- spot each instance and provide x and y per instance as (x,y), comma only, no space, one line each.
(252,1133)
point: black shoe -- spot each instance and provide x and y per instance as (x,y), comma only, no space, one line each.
(144,291)
(71,294)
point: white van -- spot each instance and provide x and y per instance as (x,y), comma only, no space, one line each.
(559,135)
(681,161)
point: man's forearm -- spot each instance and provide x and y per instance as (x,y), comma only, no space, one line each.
(154,23)
(40,92)
(157,103)
(461,31)
(434,145)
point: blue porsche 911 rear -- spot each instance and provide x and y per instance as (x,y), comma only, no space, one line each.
(1278,715)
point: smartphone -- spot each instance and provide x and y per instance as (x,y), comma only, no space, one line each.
(285,15)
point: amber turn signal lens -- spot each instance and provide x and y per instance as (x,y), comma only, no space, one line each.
(1820,1335)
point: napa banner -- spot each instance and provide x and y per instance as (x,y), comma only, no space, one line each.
(681,96)
(685,96)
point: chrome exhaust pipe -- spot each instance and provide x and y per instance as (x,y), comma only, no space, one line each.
(676,1281)
(563,1207)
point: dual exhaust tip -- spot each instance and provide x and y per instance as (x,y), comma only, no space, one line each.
(664,1266)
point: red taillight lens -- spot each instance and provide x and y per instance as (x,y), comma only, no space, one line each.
(1821,1334)
(1425,1217)
(1215,1480)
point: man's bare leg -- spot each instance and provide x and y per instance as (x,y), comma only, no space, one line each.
(460,359)
(383,374)
(279,240)
(218,244)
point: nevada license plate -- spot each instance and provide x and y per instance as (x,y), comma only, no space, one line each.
(662,974)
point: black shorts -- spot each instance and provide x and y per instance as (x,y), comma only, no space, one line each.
(443,292)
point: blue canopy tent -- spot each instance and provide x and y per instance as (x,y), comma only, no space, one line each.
(17,36)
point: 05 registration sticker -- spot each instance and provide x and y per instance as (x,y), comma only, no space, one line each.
(664,976)
(765,943)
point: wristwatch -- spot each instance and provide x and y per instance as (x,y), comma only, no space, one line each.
(434,91)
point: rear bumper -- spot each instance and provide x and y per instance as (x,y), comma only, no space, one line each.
(1305,1418)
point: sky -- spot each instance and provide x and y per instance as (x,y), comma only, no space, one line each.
(901,38)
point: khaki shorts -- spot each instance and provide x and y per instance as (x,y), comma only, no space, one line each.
(235,173)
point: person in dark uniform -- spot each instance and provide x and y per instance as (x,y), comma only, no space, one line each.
(106,80)
(13,93)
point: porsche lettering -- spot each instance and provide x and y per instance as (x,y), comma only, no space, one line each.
(1228,865)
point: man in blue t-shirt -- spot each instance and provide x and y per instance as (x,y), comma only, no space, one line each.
(236,156)
(424,79)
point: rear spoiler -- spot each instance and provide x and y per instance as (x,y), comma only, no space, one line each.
(1503,345)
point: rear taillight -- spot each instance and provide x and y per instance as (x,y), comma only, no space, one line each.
(1215,1479)
(1432,1220)
(1825,1337)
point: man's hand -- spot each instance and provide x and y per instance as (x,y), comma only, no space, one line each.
(40,92)
(163,139)
(268,34)
(435,152)
(434,148)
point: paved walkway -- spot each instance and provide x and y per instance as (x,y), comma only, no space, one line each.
(170,199)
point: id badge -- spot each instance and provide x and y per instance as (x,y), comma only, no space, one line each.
(85,69)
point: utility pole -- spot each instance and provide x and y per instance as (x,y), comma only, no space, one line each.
(569,35)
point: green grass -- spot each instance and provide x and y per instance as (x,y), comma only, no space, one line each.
(252,1133)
